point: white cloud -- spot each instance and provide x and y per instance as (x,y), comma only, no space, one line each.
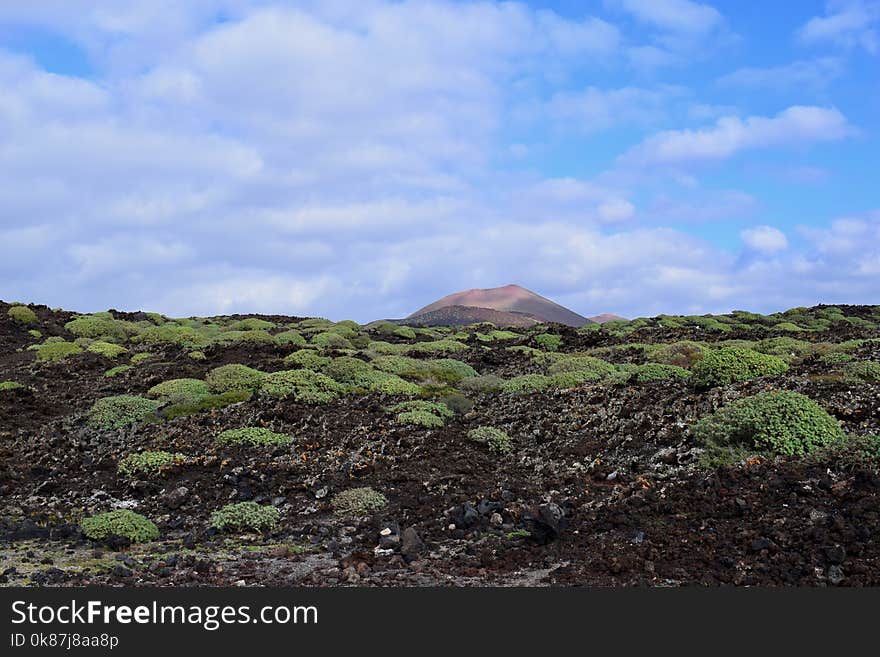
(764,239)
(796,125)
(846,23)
(673,15)
(813,74)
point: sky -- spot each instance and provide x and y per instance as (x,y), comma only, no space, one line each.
(361,158)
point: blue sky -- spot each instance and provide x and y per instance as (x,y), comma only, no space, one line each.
(360,159)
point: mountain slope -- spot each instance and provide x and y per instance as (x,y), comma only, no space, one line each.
(508,299)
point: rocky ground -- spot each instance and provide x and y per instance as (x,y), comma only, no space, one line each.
(605,486)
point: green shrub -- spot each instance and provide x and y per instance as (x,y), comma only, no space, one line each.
(381,348)
(565,380)
(294,338)
(549,341)
(497,440)
(197,355)
(122,522)
(115,371)
(148,464)
(22,315)
(178,391)
(227,378)
(392,384)
(331,340)
(486,383)
(121,411)
(172,334)
(208,403)
(866,370)
(358,502)
(95,327)
(107,349)
(252,324)
(435,408)
(51,352)
(836,358)
(245,517)
(307,359)
(594,368)
(6,386)
(444,370)
(659,372)
(788,326)
(235,337)
(253,437)
(778,422)
(784,347)
(399,365)
(34,333)
(303,385)
(527,383)
(435,347)
(681,354)
(405,332)
(352,371)
(420,419)
(137,359)
(726,365)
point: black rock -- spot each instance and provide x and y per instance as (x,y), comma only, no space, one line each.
(544,523)
(411,544)
(835,554)
(464,516)
(121,571)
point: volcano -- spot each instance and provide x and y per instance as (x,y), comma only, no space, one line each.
(510,305)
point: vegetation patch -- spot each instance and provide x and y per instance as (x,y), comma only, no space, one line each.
(527,383)
(549,341)
(207,403)
(303,385)
(864,370)
(121,411)
(659,372)
(177,391)
(497,440)
(246,517)
(51,352)
(253,437)
(358,502)
(22,315)
(107,349)
(727,365)
(122,522)
(227,378)
(148,464)
(777,422)
(6,386)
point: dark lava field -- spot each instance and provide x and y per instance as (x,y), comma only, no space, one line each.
(137,450)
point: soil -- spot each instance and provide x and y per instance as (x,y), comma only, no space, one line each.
(604,488)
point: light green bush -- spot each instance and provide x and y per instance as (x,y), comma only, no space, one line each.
(22,315)
(681,354)
(486,383)
(659,372)
(527,383)
(307,359)
(122,522)
(96,327)
(207,403)
(595,368)
(120,411)
(54,351)
(178,391)
(779,422)
(497,440)
(868,371)
(331,340)
(391,384)
(435,347)
(294,338)
(148,464)
(549,341)
(107,349)
(253,437)
(252,324)
(234,377)
(115,371)
(245,517)
(727,365)
(303,385)
(6,386)
(358,502)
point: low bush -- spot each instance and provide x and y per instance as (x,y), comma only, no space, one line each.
(497,440)
(420,419)
(172,334)
(294,338)
(207,403)
(358,502)
(784,347)
(865,370)
(252,324)
(486,383)
(107,349)
(245,517)
(139,358)
(391,384)
(197,355)
(548,341)
(96,327)
(121,411)
(527,383)
(177,391)
(148,464)
(307,359)
(727,365)
(51,352)
(6,386)
(22,315)
(116,371)
(303,385)
(658,372)
(331,340)
(680,354)
(778,422)
(253,437)
(227,378)
(122,522)
(595,369)
(436,347)
(836,358)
